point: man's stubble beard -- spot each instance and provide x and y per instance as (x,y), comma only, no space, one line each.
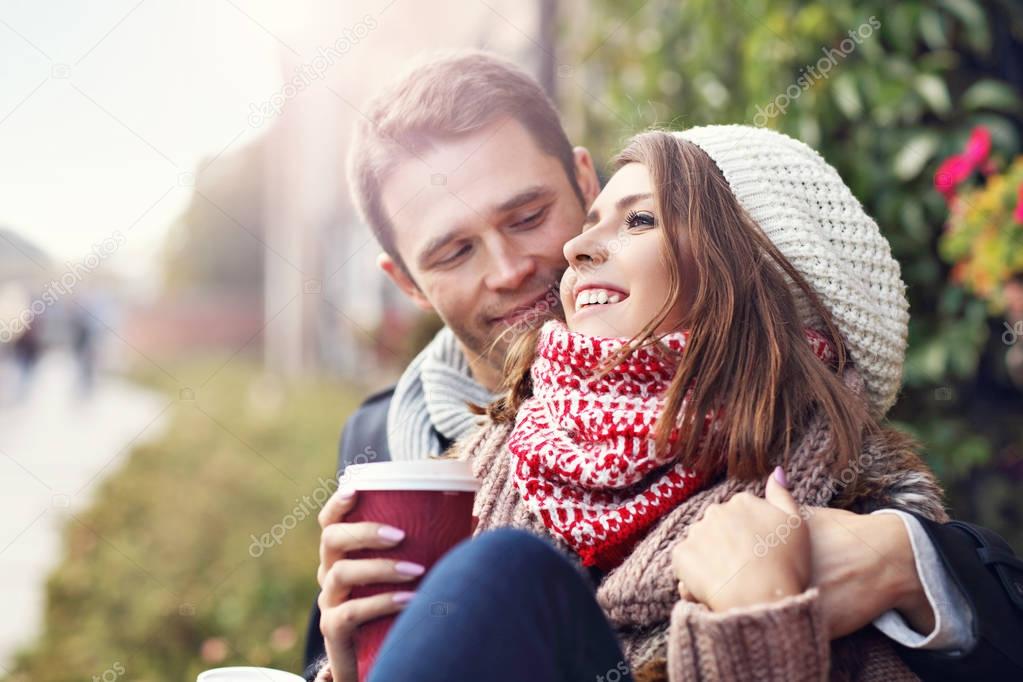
(492,346)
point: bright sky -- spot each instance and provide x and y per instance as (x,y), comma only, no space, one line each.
(107,107)
(101,111)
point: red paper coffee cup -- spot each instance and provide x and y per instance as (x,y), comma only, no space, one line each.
(431,500)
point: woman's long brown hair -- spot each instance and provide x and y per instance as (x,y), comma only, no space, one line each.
(747,353)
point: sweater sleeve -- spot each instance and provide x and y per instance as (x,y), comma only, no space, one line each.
(786,641)
(953,616)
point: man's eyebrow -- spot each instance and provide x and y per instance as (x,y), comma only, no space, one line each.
(526,196)
(435,245)
(594,215)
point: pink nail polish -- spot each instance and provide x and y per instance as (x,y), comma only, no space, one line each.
(391,533)
(409,568)
(779,476)
(403,597)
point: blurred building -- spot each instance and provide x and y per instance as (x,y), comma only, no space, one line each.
(326,305)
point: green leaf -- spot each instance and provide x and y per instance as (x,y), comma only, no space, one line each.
(932,30)
(934,91)
(914,155)
(847,96)
(972,16)
(991,94)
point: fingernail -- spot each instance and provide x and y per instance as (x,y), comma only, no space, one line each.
(391,533)
(403,597)
(409,568)
(779,475)
(346,493)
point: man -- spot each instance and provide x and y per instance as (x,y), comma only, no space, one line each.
(463,171)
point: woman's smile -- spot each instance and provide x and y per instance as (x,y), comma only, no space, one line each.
(592,295)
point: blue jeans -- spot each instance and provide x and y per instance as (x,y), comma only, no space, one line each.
(505,605)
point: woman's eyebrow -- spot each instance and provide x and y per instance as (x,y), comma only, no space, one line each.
(630,199)
(593,216)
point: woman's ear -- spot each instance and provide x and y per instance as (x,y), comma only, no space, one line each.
(586,175)
(404,282)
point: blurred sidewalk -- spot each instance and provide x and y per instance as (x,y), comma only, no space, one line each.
(56,445)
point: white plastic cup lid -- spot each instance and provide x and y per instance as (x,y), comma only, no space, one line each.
(452,475)
(247,674)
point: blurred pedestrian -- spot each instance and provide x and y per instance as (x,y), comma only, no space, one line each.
(83,345)
(27,349)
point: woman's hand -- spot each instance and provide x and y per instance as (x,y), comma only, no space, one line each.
(339,615)
(746,551)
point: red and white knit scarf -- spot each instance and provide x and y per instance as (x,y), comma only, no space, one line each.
(584,458)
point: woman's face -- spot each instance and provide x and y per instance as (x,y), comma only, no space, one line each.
(617,279)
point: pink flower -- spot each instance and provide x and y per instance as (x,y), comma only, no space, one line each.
(978,146)
(1018,213)
(957,168)
(951,173)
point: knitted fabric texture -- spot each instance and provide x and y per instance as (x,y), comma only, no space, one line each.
(640,596)
(585,457)
(809,213)
(432,394)
(665,638)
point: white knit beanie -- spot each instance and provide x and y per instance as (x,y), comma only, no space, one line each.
(809,213)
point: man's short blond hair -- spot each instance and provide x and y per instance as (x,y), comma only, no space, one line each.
(445,95)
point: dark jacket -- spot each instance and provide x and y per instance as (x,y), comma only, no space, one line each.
(363,440)
(980,562)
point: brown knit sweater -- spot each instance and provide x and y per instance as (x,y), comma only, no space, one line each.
(664,637)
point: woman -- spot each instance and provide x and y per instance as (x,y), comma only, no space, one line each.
(730,311)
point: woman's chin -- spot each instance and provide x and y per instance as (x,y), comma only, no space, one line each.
(599,323)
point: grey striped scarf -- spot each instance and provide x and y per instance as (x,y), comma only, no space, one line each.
(433,391)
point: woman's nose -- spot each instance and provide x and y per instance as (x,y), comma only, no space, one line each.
(584,250)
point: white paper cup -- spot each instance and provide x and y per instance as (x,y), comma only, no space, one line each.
(247,674)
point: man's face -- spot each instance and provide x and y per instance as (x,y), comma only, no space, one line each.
(480,221)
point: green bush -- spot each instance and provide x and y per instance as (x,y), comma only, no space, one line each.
(159,575)
(906,96)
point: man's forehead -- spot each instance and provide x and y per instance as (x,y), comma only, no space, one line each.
(466,180)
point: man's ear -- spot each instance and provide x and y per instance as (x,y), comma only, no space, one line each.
(586,175)
(404,282)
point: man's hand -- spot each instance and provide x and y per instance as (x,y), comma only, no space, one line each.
(863,566)
(746,551)
(339,615)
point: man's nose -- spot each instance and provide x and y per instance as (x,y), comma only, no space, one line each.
(510,270)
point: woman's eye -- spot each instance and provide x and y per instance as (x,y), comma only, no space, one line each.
(640,219)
